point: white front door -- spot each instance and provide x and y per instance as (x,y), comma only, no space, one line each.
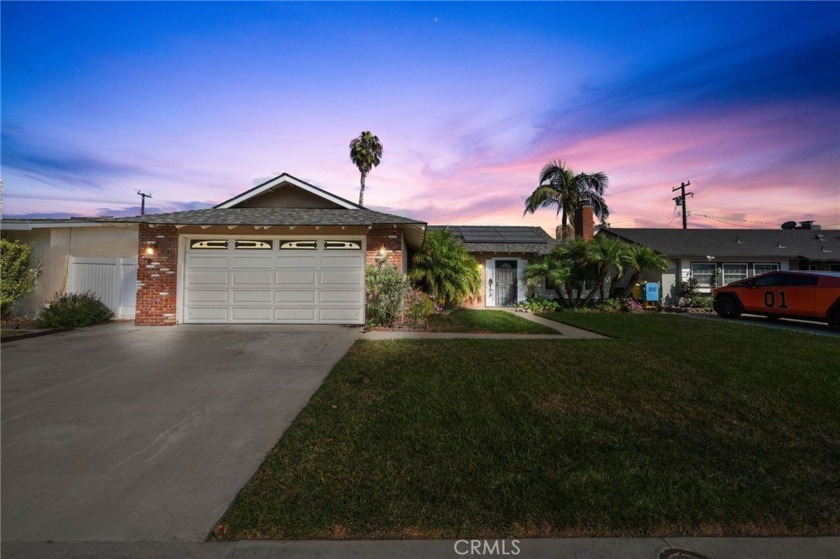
(291,280)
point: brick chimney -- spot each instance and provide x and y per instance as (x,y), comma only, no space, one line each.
(584,220)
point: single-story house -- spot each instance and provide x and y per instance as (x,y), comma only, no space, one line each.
(77,255)
(721,256)
(284,251)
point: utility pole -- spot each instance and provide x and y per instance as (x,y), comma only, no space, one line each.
(143,197)
(680,201)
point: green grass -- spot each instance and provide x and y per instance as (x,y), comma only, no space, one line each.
(675,426)
(485,322)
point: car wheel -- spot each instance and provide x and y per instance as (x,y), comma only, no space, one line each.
(727,308)
(834,321)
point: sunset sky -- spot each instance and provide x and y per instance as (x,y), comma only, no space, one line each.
(196,102)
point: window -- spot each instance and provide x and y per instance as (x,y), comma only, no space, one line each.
(703,273)
(243,244)
(298,245)
(342,245)
(210,244)
(797,280)
(764,268)
(733,272)
(834,267)
(768,281)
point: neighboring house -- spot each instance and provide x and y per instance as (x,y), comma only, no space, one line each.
(503,253)
(284,251)
(77,255)
(716,257)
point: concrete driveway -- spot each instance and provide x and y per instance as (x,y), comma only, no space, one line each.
(120,433)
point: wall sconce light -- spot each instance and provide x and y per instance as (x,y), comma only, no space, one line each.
(383,252)
(150,248)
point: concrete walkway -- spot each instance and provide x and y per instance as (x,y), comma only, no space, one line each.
(579,548)
(567,333)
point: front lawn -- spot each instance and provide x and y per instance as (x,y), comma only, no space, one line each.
(485,322)
(673,427)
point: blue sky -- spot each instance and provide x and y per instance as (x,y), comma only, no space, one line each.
(195,102)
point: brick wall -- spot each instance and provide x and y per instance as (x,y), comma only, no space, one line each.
(389,237)
(157,276)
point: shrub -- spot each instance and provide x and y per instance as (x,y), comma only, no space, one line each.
(74,310)
(689,292)
(702,302)
(539,304)
(631,306)
(386,290)
(17,277)
(614,305)
(418,307)
(445,270)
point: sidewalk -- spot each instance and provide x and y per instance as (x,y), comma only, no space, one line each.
(578,548)
(567,333)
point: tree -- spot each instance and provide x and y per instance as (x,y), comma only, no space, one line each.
(642,259)
(445,270)
(565,270)
(607,253)
(561,187)
(17,277)
(365,153)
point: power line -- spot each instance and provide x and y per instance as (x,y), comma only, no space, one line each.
(734,219)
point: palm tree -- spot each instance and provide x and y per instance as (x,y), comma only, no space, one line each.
(606,253)
(641,259)
(365,153)
(565,270)
(551,272)
(561,187)
(445,270)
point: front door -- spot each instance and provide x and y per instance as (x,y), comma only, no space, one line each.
(505,283)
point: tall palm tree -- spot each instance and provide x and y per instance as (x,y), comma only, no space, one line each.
(365,153)
(560,186)
(445,270)
(641,259)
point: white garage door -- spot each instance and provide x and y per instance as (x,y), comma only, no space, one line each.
(281,280)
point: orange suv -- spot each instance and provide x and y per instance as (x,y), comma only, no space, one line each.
(802,295)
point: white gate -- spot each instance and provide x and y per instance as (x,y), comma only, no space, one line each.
(113,280)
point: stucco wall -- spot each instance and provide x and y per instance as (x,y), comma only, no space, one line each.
(52,248)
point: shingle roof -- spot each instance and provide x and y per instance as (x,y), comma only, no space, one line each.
(502,238)
(785,243)
(273,216)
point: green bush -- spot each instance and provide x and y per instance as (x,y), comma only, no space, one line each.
(386,290)
(539,304)
(74,310)
(418,307)
(445,270)
(689,291)
(702,302)
(17,277)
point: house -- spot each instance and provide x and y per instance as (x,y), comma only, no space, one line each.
(284,251)
(76,255)
(503,253)
(717,257)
